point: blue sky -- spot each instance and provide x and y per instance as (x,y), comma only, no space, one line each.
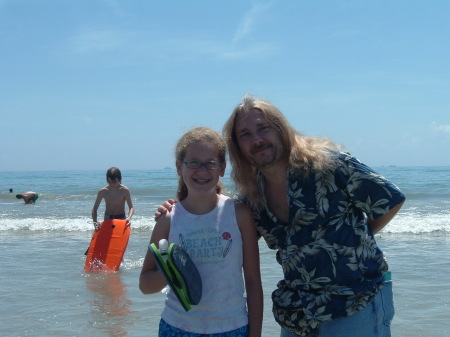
(92,84)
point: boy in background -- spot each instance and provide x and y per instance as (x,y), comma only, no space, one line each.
(115,195)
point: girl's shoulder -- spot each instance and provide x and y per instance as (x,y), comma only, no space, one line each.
(242,209)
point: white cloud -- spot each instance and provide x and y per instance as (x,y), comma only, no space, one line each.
(142,46)
(247,24)
(440,128)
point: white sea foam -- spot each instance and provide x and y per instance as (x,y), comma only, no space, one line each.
(417,223)
(66,225)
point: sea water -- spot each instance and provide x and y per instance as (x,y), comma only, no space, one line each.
(45,292)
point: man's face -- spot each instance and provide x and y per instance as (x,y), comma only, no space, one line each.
(257,139)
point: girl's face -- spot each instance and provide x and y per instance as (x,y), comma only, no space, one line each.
(205,178)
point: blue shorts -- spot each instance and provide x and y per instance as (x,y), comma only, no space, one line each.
(116,216)
(372,321)
(166,330)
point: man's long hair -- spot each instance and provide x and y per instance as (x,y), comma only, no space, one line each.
(304,154)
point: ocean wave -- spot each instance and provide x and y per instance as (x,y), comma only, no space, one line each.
(418,223)
(65,225)
(414,222)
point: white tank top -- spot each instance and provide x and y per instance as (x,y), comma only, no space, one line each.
(214,243)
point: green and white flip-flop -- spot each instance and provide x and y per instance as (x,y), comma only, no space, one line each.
(180,272)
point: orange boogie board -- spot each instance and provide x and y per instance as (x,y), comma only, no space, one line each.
(108,246)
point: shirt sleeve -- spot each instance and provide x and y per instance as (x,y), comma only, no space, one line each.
(368,190)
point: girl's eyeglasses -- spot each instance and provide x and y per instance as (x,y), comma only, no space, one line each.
(210,165)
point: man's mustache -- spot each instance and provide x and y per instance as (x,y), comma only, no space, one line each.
(260,147)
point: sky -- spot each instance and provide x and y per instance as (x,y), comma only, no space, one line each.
(90,84)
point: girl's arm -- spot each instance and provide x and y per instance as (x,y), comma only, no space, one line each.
(252,275)
(151,279)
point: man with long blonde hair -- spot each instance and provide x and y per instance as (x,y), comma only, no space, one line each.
(320,208)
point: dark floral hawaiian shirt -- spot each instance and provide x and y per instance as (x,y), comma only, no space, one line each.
(331,263)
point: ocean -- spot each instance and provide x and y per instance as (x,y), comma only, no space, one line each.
(45,292)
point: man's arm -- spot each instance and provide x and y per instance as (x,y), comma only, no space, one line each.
(166,207)
(379,223)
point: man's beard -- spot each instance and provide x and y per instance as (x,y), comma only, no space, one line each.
(268,158)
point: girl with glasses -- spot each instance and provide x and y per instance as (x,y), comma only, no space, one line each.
(219,235)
